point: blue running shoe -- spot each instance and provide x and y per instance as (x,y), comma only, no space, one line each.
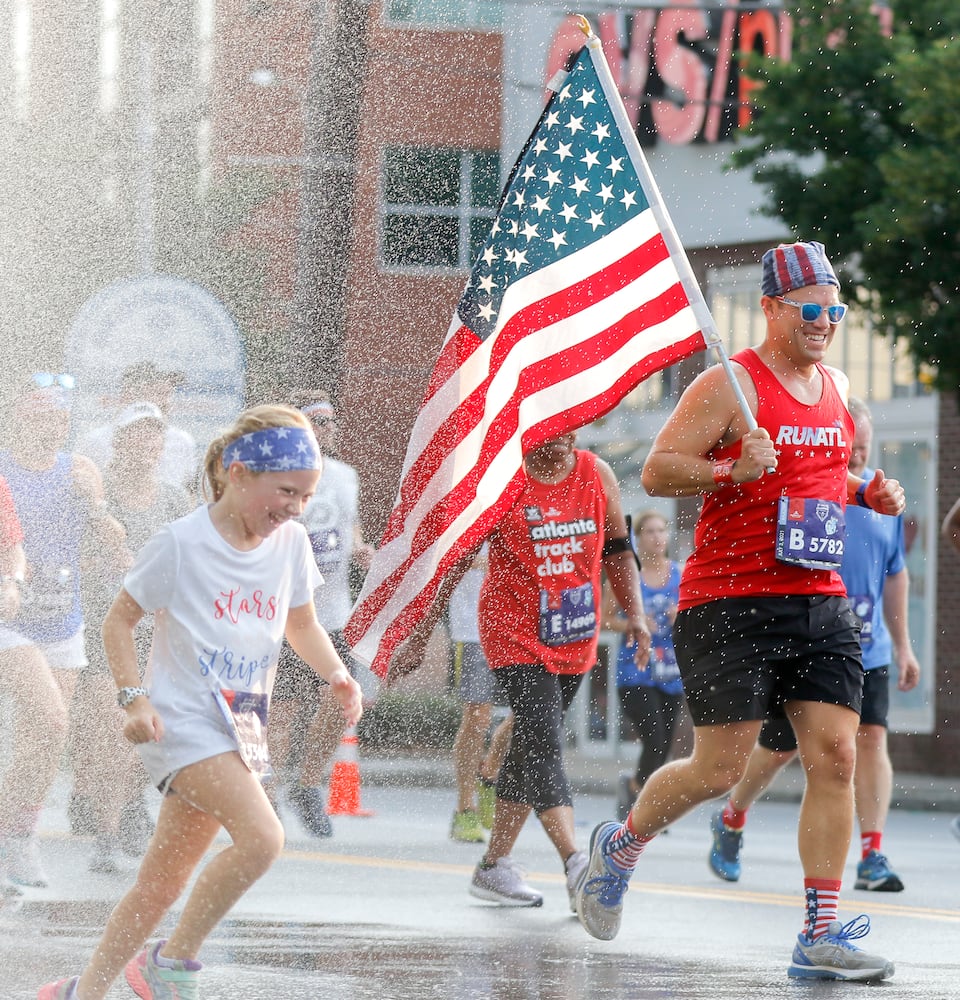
(874,873)
(724,858)
(832,956)
(599,894)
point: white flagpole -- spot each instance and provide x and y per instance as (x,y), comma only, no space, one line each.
(652,193)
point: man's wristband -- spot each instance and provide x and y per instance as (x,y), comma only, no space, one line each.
(612,546)
(861,496)
(723,472)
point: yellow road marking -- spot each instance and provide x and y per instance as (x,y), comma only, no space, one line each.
(693,892)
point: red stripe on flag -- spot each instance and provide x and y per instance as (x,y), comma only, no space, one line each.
(537,316)
(542,373)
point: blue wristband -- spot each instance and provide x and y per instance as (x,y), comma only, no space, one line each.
(862,496)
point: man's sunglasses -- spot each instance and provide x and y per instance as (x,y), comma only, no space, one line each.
(810,311)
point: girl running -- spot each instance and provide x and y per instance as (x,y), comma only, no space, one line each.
(225,584)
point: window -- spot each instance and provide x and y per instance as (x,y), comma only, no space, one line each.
(438,205)
(485,14)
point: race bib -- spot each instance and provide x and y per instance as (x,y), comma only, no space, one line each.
(50,593)
(327,548)
(862,607)
(810,533)
(663,664)
(246,715)
(569,617)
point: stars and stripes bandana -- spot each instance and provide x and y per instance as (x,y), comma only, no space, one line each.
(795,265)
(275,449)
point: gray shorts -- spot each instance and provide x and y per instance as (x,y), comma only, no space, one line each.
(472,676)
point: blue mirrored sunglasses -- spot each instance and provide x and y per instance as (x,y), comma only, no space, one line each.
(44,380)
(810,311)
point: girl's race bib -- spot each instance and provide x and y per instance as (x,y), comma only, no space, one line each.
(246,715)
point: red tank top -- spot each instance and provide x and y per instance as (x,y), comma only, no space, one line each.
(543,580)
(735,537)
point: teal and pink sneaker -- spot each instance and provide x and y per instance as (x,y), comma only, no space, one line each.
(153,977)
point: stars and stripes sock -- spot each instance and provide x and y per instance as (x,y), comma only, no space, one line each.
(870,841)
(624,847)
(733,819)
(822,899)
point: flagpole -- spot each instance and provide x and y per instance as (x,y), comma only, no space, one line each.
(659,209)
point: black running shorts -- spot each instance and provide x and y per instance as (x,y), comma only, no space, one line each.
(777,733)
(295,681)
(742,658)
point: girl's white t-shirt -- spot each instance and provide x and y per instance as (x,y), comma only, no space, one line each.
(219,619)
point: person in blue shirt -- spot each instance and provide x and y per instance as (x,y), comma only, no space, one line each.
(875,574)
(651,696)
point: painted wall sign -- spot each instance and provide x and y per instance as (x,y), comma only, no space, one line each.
(679,67)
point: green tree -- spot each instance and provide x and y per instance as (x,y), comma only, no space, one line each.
(854,141)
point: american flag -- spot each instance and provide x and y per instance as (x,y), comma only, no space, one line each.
(581,291)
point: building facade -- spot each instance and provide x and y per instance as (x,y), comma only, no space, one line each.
(451,91)
(171,139)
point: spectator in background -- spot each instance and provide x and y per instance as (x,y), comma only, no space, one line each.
(651,696)
(306,724)
(109,778)
(58,497)
(38,719)
(146,381)
(475,767)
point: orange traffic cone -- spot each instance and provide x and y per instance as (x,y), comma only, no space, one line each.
(344,796)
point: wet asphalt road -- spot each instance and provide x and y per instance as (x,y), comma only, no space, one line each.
(381,911)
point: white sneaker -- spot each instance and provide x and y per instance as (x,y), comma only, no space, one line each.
(503,883)
(575,866)
(22,862)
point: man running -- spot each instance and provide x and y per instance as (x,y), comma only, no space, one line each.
(763,619)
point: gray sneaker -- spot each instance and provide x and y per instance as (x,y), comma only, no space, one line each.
(832,956)
(504,884)
(11,896)
(575,866)
(22,862)
(600,893)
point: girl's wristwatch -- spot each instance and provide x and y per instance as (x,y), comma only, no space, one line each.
(126,696)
